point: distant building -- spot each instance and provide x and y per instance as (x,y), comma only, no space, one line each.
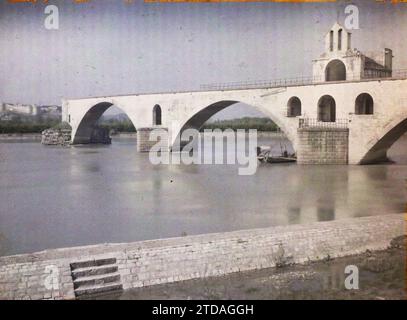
(9,111)
(23,109)
(340,62)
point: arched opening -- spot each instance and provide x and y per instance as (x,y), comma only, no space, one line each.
(157,115)
(335,71)
(294,107)
(378,152)
(226,115)
(340,31)
(97,126)
(331,40)
(364,104)
(327,109)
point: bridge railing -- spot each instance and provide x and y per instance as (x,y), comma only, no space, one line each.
(258,84)
(316,123)
(297,81)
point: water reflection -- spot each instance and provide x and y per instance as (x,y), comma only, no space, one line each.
(3,245)
(294,215)
(59,197)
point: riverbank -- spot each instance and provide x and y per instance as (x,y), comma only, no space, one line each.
(20,137)
(382,276)
(37,136)
(81,271)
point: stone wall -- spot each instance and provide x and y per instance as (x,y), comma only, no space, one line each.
(56,137)
(154,262)
(145,140)
(322,146)
(63,136)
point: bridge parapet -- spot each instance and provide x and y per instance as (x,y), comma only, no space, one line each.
(297,81)
(317,124)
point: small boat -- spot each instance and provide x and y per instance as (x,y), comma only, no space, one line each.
(280,160)
(264,155)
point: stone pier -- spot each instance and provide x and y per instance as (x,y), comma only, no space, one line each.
(323,146)
(145,140)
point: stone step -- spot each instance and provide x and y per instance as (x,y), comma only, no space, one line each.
(93,271)
(96,280)
(95,289)
(92,263)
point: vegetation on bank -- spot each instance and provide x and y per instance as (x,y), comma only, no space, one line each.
(125,125)
(62,126)
(26,127)
(117,125)
(260,124)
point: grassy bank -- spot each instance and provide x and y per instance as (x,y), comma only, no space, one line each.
(117,126)
(15,127)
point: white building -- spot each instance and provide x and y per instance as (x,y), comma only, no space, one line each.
(30,110)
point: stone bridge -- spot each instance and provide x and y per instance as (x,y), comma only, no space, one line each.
(371,132)
(351,111)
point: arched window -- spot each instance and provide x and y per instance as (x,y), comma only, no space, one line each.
(364,104)
(157,115)
(340,39)
(335,71)
(331,41)
(294,107)
(326,109)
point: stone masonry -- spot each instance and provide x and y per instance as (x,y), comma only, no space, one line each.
(63,136)
(322,146)
(145,140)
(48,275)
(56,137)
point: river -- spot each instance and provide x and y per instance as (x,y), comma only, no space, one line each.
(53,197)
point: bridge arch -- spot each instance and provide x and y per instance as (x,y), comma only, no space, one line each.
(378,147)
(364,104)
(327,109)
(85,129)
(198,119)
(335,71)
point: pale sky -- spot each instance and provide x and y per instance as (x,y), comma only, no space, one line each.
(110,47)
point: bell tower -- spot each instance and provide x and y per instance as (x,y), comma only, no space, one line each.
(338,39)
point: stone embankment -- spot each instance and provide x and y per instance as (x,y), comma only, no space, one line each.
(74,272)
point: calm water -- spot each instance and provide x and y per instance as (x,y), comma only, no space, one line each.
(54,197)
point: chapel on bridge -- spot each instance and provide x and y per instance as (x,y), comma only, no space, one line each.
(341,62)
